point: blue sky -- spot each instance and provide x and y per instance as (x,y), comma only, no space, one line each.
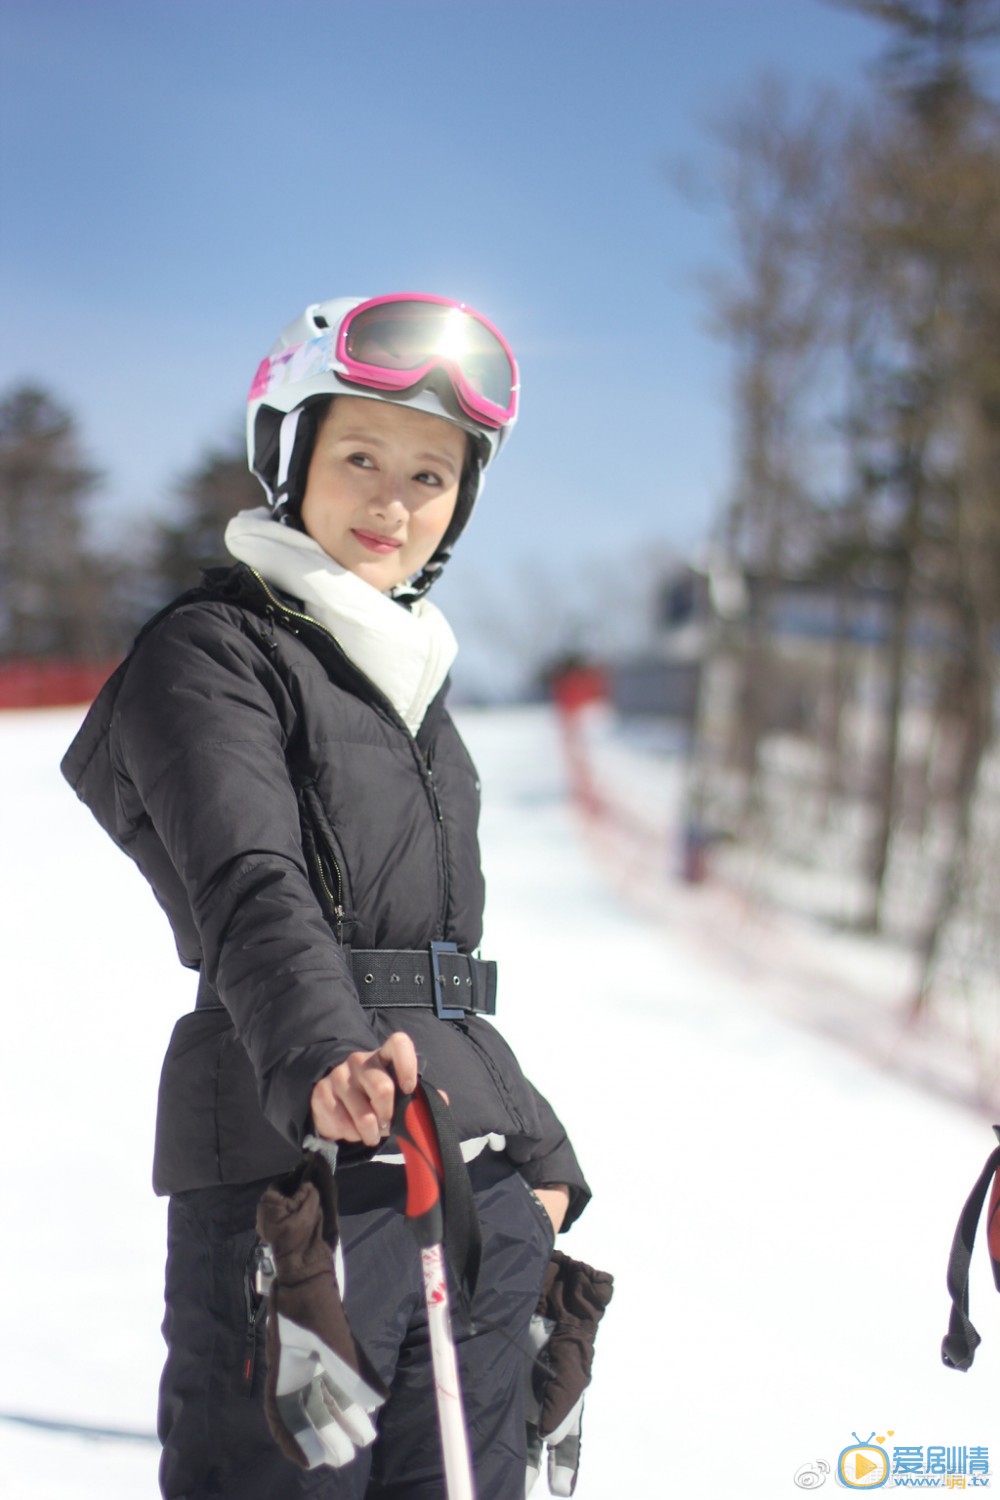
(180,177)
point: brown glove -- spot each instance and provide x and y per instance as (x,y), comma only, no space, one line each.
(563,1329)
(321,1387)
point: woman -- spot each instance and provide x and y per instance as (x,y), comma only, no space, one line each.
(276,757)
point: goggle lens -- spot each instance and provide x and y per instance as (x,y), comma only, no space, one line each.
(405,336)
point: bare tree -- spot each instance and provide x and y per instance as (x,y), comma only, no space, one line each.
(778,185)
(921,180)
(863,312)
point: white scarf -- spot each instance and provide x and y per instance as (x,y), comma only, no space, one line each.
(405,652)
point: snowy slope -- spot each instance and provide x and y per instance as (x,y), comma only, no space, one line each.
(777,1212)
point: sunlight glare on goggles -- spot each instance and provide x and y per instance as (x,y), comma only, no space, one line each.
(453,339)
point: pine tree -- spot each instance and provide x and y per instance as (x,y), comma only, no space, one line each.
(53,584)
(192,540)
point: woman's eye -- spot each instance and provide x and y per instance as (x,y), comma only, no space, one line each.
(360,460)
(426,477)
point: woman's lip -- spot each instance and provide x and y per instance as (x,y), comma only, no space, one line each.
(374,542)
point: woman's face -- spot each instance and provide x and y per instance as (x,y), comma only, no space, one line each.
(382,486)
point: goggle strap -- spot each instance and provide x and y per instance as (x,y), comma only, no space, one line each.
(286,447)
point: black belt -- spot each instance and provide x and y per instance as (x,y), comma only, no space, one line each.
(435,978)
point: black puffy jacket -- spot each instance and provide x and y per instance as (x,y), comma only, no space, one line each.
(279,807)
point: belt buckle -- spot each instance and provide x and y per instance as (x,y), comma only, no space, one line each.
(442,1011)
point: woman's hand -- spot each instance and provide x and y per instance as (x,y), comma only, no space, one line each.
(354,1102)
(555,1201)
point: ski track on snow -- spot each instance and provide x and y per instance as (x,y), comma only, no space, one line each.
(777,1211)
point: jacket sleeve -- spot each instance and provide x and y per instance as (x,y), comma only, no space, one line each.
(551,1160)
(200,734)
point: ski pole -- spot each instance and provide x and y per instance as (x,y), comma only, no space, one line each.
(413,1125)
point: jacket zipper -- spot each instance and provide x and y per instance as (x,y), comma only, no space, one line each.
(442,844)
(323,855)
(427,775)
(336,901)
(432,784)
(284,608)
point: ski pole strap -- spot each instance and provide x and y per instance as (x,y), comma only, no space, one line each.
(959,1345)
(439,1201)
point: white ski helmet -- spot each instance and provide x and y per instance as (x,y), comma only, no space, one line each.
(411,349)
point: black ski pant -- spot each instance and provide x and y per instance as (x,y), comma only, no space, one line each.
(211,1419)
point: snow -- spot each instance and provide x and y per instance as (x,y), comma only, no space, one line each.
(777,1207)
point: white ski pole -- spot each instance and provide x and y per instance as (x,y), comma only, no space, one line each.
(413,1126)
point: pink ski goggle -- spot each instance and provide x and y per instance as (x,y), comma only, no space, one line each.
(390,343)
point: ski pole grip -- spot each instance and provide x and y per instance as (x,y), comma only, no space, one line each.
(413,1127)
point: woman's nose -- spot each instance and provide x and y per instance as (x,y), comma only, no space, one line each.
(390,495)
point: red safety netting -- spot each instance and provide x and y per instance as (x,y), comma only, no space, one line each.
(51,684)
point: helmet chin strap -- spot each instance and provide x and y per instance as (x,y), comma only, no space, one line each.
(416,588)
(286,447)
